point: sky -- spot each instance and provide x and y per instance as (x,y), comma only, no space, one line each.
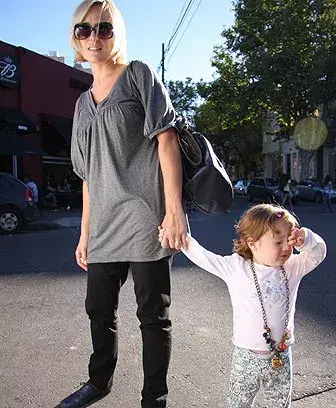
(43,25)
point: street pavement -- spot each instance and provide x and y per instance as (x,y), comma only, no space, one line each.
(44,332)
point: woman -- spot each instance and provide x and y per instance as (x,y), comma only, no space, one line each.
(125,150)
(287,195)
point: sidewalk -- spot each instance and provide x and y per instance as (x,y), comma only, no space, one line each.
(55,219)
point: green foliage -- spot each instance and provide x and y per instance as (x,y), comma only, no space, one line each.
(287,50)
(279,56)
(184,97)
(229,116)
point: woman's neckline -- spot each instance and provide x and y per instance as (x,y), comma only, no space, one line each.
(96,105)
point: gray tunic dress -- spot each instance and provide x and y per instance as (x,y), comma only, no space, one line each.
(114,149)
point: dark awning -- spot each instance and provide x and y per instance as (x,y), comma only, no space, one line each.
(62,125)
(16,120)
(13,144)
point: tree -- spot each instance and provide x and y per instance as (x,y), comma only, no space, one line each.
(229,114)
(184,97)
(279,56)
(287,49)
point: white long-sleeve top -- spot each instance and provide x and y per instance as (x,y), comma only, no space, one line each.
(248,324)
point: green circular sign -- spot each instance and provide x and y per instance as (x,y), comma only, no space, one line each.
(310,133)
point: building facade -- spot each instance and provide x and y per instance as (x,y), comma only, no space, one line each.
(37,100)
(284,156)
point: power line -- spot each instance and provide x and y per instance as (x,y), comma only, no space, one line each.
(178,18)
(176,29)
(199,3)
(172,38)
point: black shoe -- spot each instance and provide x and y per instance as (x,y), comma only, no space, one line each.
(84,397)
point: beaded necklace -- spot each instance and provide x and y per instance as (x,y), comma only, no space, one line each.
(276,361)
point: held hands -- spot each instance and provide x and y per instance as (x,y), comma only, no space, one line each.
(296,237)
(173,231)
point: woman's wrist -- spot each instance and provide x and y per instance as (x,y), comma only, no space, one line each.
(84,236)
(174,207)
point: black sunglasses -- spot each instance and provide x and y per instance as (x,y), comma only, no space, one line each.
(103,30)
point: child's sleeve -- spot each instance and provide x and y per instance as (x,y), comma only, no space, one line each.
(311,253)
(216,264)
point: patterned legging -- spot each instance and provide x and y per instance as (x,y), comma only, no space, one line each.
(251,371)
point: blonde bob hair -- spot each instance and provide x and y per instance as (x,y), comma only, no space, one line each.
(255,222)
(119,33)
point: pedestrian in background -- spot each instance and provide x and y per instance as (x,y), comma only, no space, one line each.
(30,183)
(263,277)
(125,150)
(288,194)
(327,187)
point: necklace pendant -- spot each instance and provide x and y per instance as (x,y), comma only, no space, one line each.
(282,346)
(276,361)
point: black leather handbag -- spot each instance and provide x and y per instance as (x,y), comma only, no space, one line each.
(206,185)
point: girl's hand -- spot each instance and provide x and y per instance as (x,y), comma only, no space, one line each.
(296,237)
(161,232)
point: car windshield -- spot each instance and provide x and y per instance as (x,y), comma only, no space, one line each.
(272,182)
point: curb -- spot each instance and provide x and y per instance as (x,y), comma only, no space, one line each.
(41,226)
(69,222)
(65,222)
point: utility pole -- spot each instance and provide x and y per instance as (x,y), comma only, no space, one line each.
(163,63)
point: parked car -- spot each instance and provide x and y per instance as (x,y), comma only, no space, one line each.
(16,204)
(240,187)
(312,190)
(266,189)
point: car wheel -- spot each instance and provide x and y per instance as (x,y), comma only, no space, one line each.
(10,221)
(318,198)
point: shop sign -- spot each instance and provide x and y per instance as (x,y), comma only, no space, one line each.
(9,71)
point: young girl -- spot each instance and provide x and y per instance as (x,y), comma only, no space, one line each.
(263,277)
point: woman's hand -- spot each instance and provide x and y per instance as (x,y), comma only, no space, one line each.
(296,237)
(81,252)
(173,230)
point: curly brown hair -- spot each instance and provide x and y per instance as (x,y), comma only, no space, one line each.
(255,222)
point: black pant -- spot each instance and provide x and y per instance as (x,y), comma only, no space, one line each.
(152,291)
